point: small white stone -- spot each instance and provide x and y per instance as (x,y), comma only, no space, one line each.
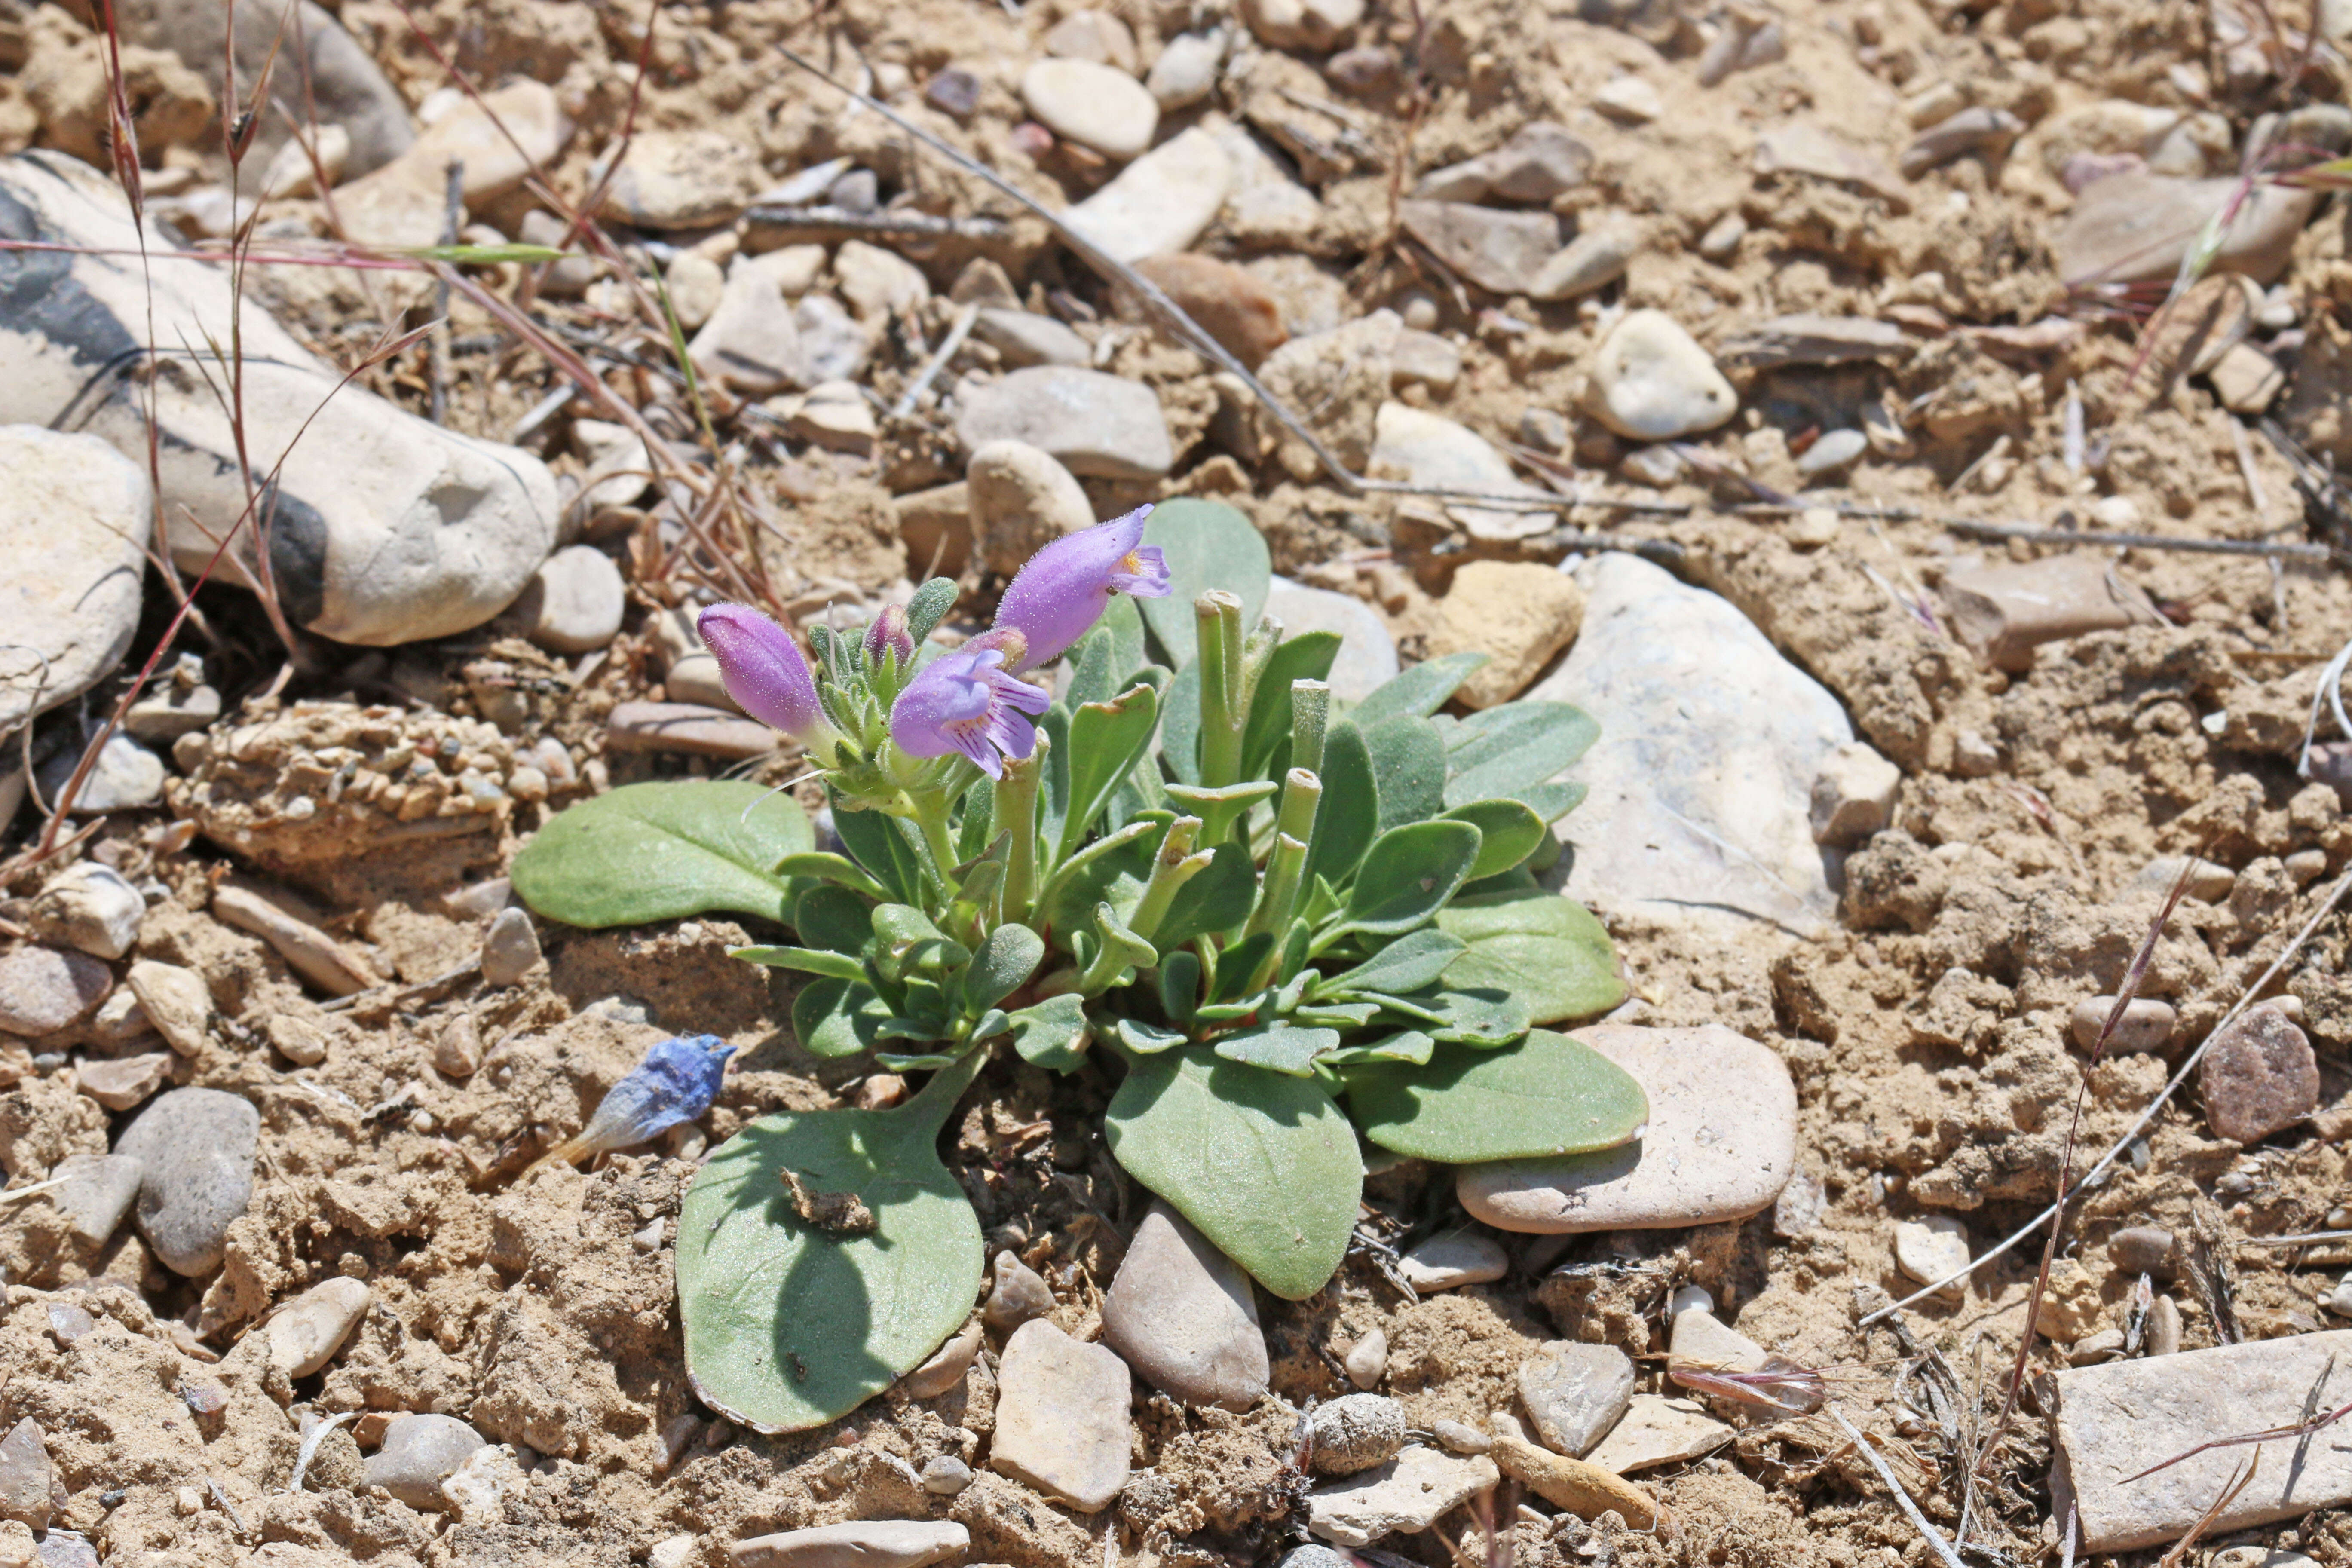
(1631,99)
(1652,382)
(1932,1247)
(879,283)
(1450,1260)
(90,906)
(1835,450)
(1096,106)
(1186,70)
(1161,203)
(575,601)
(1093,424)
(509,948)
(1366,1360)
(1405,1496)
(304,1335)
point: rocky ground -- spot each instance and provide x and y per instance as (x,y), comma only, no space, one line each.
(1736,323)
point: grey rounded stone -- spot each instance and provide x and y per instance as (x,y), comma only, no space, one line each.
(574,601)
(92,908)
(1575,1393)
(419,1453)
(1355,1432)
(1836,449)
(1018,1296)
(197,1146)
(97,1191)
(945,1475)
(43,989)
(1181,1313)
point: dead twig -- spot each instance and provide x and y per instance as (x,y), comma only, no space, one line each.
(826,223)
(957,333)
(1927,1531)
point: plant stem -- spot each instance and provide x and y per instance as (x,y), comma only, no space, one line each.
(936,1099)
(1310,712)
(1224,699)
(930,812)
(1016,813)
(1277,902)
(1302,791)
(1174,866)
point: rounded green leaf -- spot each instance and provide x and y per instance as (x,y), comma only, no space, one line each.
(1514,749)
(1408,756)
(1421,691)
(662,852)
(1547,1095)
(1008,956)
(1207,544)
(1407,874)
(1544,949)
(1262,1165)
(1508,832)
(797,1312)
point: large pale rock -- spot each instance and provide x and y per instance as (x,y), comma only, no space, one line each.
(1161,203)
(1432,450)
(1659,1431)
(753,343)
(863,1543)
(1182,1314)
(197,1147)
(74,518)
(385,528)
(1093,424)
(1520,614)
(2139,228)
(1701,782)
(2127,1416)
(1719,1145)
(680,179)
(90,906)
(1403,1497)
(1062,1422)
(419,1453)
(320,71)
(1316,25)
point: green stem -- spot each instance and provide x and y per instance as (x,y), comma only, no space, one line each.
(1092,852)
(1302,791)
(1277,902)
(1224,700)
(1171,868)
(930,812)
(936,1099)
(1310,712)
(1016,813)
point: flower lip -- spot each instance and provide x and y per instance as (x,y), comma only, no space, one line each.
(1062,591)
(964,702)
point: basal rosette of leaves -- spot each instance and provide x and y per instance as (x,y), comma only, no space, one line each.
(1296,927)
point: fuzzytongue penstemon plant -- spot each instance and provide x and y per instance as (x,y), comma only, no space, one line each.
(1260,904)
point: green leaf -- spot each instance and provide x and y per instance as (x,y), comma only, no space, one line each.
(661,851)
(1419,692)
(806,959)
(1111,870)
(1148,1040)
(1180,725)
(481,255)
(1407,964)
(874,841)
(1124,622)
(1407,876)
(1208,544)
(1349,813)
(834,918)
(1278,1048)
(1008,956)
(1546,951)
(1306,656)
(1484,1017)
(830,868)
(790,1324)
(1508,832)
(1408,761)
(977,827)
(1180,987)
(1547,1095)
(1517,746)
(1053,1033)
(838,1018)
(1092,671)
(1265,1165)
(1218,898)
(1404,1045)
(1107,740)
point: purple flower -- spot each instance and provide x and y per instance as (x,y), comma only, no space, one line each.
(765,672)
(676,1082)
(964,702)
(889,630)
(1066,587)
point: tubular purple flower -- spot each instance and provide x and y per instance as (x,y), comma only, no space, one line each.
(765,672)
(889,631)
(965,703)
(1062,591)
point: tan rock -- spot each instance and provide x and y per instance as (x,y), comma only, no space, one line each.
(2003,612)
(2070,1306)
(1405,1496)
(935,525)
(1520,614)
(176,1001)
(304,1335)
(947,1365)
(309,952)
(1020,501)
(863,1543)
(1062,1421)
(124,1081)
(1580,1486)
(1231,305)
(1659,1431)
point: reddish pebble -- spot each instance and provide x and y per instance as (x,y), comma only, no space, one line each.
(2257,1076)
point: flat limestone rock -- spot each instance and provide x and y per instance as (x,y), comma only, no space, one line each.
(2118,1420)
(1159,204)
(1404,1496)
(1700,814)
(1092,423)
(1184,1315)
(866,1543)
(1575,1393)
(1720,1144)
(1062,1422)
(1659,1431)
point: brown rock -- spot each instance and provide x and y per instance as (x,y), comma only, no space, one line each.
(685,730)
(2142,1249)
(124,1081)
(1583,1488)
(1231,305)
(2002,613)
(2257,1076)
(1521,613)
(309,952)
(935,525)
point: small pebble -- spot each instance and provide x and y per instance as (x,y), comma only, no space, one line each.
(1368,1360)
(2257,1076)
(1450,1260)
(1356,1432)
(1020,1295)
(1835,450)
(509,948)
(1460,1438)
(2147,1024)
(574,602)
(69,1323)
(1931,1248)
(650,1239)
(419,1453)
(2142,1249)
(945,1475)
(953,93)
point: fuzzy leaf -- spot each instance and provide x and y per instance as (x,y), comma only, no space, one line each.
(1262,1165)
(1546,1095)
(834,918)
(1208,545)
(1107,740)
(1544,950)
(1421,691)
(1217,899)
(806,959)
(1407,876)
(875,840)
(1008,956)
(796,1313)
(660,851)
(1508,832)
(838,1017)
(1279,1046)
(1349,813)
(1053,1033)
(1306,656)
(1408,759)
(1407,964)
(1517,746)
